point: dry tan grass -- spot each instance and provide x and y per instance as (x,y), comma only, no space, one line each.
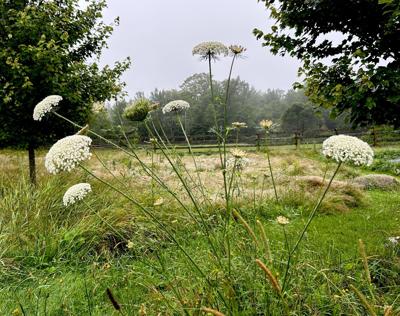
(293,172)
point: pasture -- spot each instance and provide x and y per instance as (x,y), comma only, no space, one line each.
(103,256)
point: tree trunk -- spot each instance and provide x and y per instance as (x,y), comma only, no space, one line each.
(32,164)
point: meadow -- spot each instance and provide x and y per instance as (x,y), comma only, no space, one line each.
(103,256)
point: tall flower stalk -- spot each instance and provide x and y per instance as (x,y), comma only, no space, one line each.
(266,126)
(342,149)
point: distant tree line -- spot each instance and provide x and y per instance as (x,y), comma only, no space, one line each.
(291,111)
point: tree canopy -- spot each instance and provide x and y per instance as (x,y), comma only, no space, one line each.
(44,46)
(44,49)
(350,51)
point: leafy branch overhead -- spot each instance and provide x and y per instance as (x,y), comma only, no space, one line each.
(45,48)
(350,52)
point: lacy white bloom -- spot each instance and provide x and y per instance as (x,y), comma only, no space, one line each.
(210,50)
(175,106)
(239,125)
(45,106)
(65,154)
(237,153)
(266,124)
(238,164)
(343,148)
(76,193)
(282,220)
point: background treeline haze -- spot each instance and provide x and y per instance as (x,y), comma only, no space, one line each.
(290,110)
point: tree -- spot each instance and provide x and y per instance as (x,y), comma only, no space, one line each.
(300,118)
(44,46)
(363,75)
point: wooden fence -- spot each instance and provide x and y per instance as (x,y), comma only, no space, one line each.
(374,138)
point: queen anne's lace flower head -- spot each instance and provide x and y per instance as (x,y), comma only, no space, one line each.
(45,106)
(343,148)
(138,110)
(236,49)
(282,220)
(237,164)
(65,154)
(210,50)
(266,124)
(239,125)
(237,153)
(175,106)
(76,193)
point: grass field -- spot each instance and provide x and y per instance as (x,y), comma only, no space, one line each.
(57,260)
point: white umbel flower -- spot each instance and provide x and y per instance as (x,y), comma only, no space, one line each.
(237,164)
(175,106)
(65,154)
(266,124)
(210,50)
(239,125)
(76,193)
(45,106)
(282,220)
(343,148)
(237,153)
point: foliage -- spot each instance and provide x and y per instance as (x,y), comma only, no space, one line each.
(300,119)
(246,105)
(44,46)
(364,73)
(383,162)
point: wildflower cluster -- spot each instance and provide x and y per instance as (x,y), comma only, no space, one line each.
(138,111)
(76,193)
(237,153)
(66,153)
(282,220)
(239,125)
(266,124)
(237,164)
(236,49)
(210,50)
(45,106)
(343,148)
(175,106)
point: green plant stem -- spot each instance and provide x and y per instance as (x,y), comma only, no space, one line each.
(104,221)
(270,168)
(193,158)
(202,223)
(167,142)
(212,91)
(311,217)
(162,227)
(148,170)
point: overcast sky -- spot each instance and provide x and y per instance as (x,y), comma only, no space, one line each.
(159,36)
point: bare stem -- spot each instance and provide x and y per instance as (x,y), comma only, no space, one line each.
(310,219)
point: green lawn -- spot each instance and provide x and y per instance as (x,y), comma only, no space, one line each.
(60,261)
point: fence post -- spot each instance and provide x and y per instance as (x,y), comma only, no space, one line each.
(258,141)
(296,140)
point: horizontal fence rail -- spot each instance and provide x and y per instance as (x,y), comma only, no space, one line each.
(374,138)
